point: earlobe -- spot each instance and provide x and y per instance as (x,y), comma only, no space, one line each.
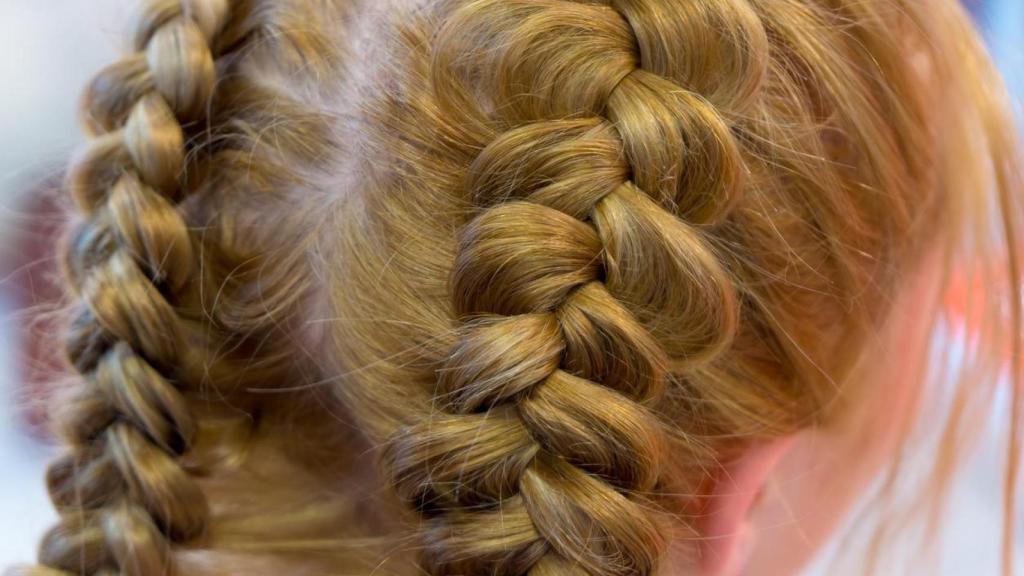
(727,536)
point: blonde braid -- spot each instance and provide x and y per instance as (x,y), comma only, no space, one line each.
(121,490)
(549,450)
(558,259)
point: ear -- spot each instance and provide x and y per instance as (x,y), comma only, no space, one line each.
(726,534)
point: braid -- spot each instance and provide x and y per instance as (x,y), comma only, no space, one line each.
(556,261)
(121,490)
(607,149)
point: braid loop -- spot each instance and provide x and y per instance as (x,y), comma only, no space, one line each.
(717,50)
(121,490)
(611,149)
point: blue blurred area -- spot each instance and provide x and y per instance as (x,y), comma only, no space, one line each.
(1003,24)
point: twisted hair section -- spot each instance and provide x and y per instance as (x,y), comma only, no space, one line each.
(162,316)
(190,132)
(122,491)
(582,278)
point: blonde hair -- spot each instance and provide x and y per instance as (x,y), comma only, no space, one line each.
(551,262)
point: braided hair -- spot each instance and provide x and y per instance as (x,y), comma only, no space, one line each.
(170,121)
(553,262)
(609,158)
(121,489)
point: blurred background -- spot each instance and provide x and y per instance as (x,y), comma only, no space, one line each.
(48,51)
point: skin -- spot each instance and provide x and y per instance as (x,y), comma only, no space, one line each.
(778,504)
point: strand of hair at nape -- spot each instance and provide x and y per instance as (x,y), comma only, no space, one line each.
(547,454)
(121,490)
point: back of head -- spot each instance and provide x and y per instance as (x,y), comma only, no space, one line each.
(541,267)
